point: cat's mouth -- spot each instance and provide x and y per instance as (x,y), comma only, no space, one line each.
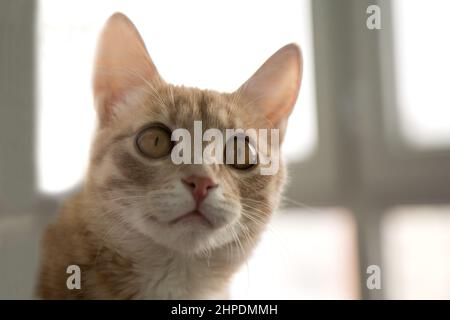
(194,216)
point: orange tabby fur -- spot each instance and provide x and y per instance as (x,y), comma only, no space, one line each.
(103,230)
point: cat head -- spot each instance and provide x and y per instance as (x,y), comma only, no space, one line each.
(133,178)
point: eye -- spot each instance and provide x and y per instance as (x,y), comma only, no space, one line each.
(154,142)
(240,153)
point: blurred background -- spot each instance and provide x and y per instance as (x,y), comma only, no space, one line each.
(368,146)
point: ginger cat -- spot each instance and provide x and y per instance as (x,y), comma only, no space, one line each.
(143,227)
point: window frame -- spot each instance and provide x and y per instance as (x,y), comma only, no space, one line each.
(17,114)
(373,169)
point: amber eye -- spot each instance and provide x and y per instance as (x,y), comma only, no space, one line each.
(154,142)
(240,153)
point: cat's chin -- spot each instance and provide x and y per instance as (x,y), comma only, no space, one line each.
(193,218)
(191,234)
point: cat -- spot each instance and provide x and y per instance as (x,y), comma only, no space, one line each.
(142,227)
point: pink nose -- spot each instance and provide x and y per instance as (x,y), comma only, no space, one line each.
(199,186)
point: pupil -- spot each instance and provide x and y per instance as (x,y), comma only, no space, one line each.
(156,141)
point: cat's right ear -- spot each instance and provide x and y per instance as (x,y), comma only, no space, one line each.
(122,64)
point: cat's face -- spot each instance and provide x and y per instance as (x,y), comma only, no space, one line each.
(153,195)
(133,178)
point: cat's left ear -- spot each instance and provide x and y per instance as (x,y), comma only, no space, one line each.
(272,91)
(122,64)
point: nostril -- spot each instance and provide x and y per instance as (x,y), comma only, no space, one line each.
(211,186)
(188,183)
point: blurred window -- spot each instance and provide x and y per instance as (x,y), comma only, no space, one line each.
(416,246)
(422,68)
(304,254)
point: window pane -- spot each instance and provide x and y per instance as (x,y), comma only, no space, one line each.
(416,242)
(207,44)
(423,65)
(305,254)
